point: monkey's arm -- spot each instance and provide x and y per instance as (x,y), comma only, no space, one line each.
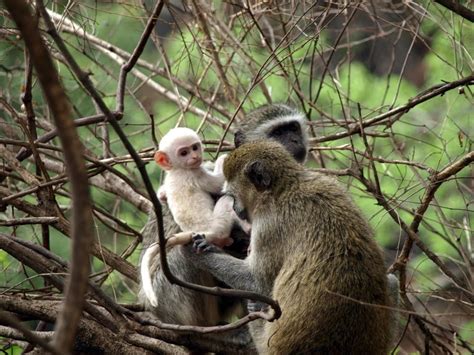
(234,272)
(211,182)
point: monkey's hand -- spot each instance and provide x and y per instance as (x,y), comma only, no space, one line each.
(162,194)
(201,245)
(219,167)
(234,272)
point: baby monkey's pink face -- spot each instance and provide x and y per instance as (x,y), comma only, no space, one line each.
(189,156)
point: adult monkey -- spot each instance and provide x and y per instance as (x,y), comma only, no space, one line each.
(183,306)
(311,249)
(277,122)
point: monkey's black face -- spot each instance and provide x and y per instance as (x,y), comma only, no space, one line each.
(290,136)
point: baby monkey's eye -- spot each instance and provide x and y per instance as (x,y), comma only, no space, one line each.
(183,153)
(195,147)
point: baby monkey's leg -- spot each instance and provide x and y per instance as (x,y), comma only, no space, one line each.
(222,221)
(220,226)
(181,238)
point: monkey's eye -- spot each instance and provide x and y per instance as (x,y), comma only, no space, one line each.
(279,131)
(195,147)
(293,127)
(183,153)
(290,127)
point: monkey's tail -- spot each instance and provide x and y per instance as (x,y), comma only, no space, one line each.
(145,274)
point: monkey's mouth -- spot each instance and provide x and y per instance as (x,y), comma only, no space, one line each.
(299,153)
(195,164)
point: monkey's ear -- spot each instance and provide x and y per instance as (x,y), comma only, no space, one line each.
(239,138)
(258,175)
(163,160)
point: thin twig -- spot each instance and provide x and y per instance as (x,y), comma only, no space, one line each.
(437,90)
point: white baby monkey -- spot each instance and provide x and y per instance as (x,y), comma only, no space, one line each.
(187,189)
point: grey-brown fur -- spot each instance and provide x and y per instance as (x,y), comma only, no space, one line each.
(312,250)
(277,122)
(176,304)
(182,306)
(267,113)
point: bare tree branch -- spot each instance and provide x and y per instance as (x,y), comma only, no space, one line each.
(9,320)
(82,233)
(458,8)
(428,94)
(365,77)
(31,220)
(141,167)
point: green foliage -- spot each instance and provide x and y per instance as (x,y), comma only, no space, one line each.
(13,349)
(421,140)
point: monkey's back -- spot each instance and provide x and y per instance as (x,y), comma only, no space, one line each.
(320,316)
(333,281)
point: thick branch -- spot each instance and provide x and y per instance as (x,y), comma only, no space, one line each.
(457,8)
(62,225)
(90,333)
(28,220)
(9,320)
(82,232)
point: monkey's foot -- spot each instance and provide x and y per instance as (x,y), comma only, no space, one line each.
(201,245)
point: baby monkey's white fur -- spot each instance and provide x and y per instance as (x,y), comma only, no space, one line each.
(187,189)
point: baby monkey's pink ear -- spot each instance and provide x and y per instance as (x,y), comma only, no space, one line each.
(163,160)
